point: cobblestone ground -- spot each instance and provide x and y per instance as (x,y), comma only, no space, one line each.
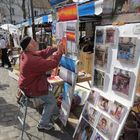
(10,128)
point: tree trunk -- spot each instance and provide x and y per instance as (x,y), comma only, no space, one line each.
(24,9)
(10,11)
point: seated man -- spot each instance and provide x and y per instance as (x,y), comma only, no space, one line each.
(33,79)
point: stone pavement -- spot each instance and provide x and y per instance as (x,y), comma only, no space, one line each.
(10,127)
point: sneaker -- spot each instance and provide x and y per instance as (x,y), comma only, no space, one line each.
(46,127)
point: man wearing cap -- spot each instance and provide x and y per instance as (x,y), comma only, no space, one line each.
(33,80)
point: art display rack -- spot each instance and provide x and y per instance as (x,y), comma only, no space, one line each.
(114,81)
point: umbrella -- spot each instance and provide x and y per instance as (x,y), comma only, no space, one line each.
(9,27)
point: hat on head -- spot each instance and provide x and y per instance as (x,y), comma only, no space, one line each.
(25,42)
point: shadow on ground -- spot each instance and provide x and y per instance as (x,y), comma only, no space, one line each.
(8,114)
(58,134)
(4,86)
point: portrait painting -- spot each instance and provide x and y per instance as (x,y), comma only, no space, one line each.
(121,81)
(110,35)
(99,36)
(84,131)
(93,96)
(103,104)
(117,111)
(107,127)
(99,77)
(101,55)
(89,113)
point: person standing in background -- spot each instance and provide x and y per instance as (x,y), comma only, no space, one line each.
(3,47)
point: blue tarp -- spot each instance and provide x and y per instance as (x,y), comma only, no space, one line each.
(86,9)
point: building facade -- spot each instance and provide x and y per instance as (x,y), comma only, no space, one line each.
(12,12)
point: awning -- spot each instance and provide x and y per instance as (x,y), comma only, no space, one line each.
(91,8)
(84,9)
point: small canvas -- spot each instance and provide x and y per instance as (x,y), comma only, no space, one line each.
(71,48)
(84,131)
(110,36)
(60,29)
(103,104)
(67,75)
(121,81)
(90,114)
(107,127)
(117,111)
(101,55)
(127,49)
(99,36)
(99,77)
(67,94)
(71,36)
(93,96)
(72,26)
(64,112)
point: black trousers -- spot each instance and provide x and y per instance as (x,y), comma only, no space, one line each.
(5,59)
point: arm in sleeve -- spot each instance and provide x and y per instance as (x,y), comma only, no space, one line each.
(47,52)
(43,65)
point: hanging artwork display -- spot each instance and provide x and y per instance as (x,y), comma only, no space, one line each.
(115,81)
(67,32)
(67,72)
(67,29)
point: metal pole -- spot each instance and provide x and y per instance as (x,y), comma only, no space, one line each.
(33,24)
